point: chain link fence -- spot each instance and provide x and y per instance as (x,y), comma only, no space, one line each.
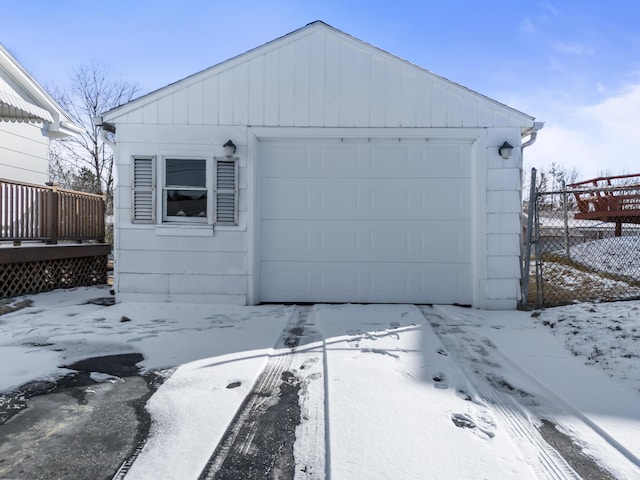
(584,246)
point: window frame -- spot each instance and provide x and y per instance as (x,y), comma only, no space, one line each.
(209,218)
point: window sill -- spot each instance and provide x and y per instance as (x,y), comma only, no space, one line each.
(184,230)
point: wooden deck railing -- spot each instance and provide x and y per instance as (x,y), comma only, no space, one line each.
(49,214)
(609,199)
(617,196)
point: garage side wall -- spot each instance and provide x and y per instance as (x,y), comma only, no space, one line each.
(503,200)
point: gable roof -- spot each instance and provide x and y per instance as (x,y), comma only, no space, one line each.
(318,37)
(22,99)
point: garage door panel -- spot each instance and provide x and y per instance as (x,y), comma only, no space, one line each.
(334,199)
(282,240)
(368,199)
(343,157)
(353,282)
(365,160)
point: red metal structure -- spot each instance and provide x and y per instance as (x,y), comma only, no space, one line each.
(609,199)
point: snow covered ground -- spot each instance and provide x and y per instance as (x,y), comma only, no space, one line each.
(386,391)
(617,256)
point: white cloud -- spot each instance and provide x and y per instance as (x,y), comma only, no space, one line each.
(549,10)
(527,27)
(573,48)
(595,139)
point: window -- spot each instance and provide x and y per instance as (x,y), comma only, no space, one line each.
(185,190)
(191,190)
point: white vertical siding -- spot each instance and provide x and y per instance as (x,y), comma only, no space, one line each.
(210,88)
(363,89)
(348,90)
(302,76)
(409,99)
(196,104)
(256,89)
(226,94)
(271,97)
(286,86)
(241,95)
(317,92)
(320,79)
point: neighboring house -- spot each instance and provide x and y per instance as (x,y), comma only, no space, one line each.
(29,117)
(358,177)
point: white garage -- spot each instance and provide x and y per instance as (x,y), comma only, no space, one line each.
(318,168)
(365,220)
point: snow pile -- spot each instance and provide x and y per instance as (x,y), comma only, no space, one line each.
(617,255)
(606,335)
(565,283)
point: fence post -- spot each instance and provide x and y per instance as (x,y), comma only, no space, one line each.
(102,210)
(565,213)
(52,214)
(527,253)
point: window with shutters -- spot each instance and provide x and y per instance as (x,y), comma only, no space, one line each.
(191,190)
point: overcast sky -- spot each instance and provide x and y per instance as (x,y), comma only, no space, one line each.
(574,64)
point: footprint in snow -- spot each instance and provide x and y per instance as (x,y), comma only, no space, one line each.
(462,420)
(440,380)
(308,362)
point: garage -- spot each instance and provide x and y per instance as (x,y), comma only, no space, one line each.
(325,170)
(365,220)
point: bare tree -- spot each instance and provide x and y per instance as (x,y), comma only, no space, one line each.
(86,161)
(550,179)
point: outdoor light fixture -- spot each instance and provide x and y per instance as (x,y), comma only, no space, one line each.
(505,150)
(229,148)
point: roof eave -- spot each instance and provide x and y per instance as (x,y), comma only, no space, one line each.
(39,95)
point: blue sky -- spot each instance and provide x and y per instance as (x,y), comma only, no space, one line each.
(572,64)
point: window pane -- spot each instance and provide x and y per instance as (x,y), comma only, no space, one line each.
(187,203)
(191,173)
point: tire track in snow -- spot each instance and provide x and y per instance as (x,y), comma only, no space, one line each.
(551,465)
(565,408)
(259,442)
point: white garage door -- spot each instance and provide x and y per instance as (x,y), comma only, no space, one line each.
(364,221)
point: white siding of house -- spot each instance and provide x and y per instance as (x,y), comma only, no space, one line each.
(344,83)
(503,211)
(24,149)
(24,152)
(189,263)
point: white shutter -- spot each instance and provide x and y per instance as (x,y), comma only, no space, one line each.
(226,191)
(142,208)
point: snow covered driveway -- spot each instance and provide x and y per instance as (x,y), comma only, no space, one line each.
(406,392)
(360,391)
